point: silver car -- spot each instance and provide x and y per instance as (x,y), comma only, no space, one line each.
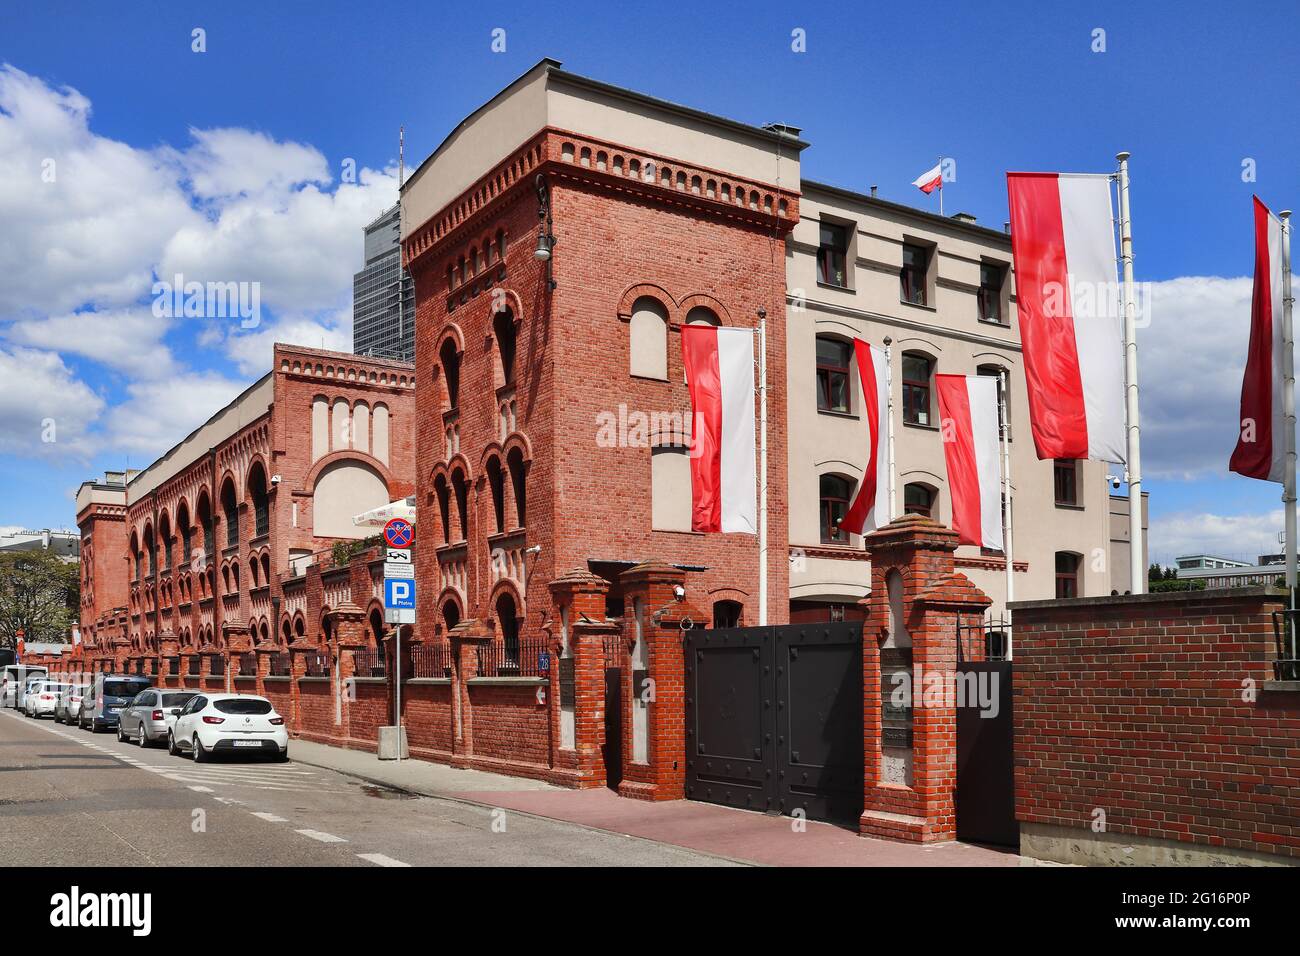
(69,703)
(151,714)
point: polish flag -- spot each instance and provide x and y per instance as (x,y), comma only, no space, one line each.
(1261,444)
(929,181)
(720,376)
(1071,329)
(968,415)
(870,507)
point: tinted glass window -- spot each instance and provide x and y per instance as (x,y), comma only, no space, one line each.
(249,706)
(122,688)
(176,700)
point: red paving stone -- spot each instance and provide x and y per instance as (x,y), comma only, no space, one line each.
(737,834)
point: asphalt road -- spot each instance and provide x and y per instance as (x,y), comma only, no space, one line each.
(69,797)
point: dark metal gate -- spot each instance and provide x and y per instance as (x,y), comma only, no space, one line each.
(986,784)
(615,662)
(774,718)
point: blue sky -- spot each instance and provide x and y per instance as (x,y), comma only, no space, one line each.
(232,154)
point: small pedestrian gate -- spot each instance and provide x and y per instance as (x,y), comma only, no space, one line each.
(774,718)
(986,786)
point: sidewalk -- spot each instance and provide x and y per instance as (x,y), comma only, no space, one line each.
(734,834)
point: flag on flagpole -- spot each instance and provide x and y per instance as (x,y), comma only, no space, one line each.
(930,180)
(1071,329)
(968,417)
(720,377)
(870,507)
(1261,442)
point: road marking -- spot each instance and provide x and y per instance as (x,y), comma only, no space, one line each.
(270,818)
(380,860)
(323,837)
(202,789)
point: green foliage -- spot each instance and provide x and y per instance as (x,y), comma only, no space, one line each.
(1174,584)
(345,551)
(40,595)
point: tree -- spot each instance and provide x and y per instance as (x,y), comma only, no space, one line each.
(39,595)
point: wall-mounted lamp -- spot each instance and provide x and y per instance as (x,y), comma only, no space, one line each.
(545,236)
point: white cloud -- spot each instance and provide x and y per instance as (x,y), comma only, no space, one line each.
(128,339)
(158,414)
(252,351)
(226,163)
(45,411)
(1244,537)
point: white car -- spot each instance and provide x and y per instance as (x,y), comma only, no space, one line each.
(228,723)
(41,697)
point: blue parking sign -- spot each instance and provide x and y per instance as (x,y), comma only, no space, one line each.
(399,594)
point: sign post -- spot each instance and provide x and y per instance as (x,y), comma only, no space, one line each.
(399,601)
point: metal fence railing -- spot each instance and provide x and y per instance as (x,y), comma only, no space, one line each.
(370,662)
(247,665)
(218,666)
(526,658)
(173,666)
(279,665)
(431,660)
(318,664)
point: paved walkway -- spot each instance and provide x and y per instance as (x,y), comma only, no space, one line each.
(734,834)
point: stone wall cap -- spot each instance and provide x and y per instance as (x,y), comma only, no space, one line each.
(1255,592)
(647,568)
(953,588)
(911,527)
(579,576)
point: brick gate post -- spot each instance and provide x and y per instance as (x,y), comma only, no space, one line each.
(349,636)
(465,639)
(654,767)
(579,600)
(910,648)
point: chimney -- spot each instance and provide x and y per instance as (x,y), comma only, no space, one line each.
(964,217)
(1006,227)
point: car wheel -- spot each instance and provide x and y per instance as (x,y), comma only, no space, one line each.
(171,745)
(121,737)
(282,756)
(200,755)
(141,740)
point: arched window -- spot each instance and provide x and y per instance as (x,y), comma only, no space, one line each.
(727,613)
(497,485)
(700,315)
(836,491)
(150,551)
(648,339)
(450,614)
(509,626)
(187,535)
(517,468)
(450,360)
(165,539)
(918,499)
(261,501)
(230,514)
(137,559)
(834,394)
(503,327)
(444,506)
(209,528)
(461,487)
(1067,574)
(918,373)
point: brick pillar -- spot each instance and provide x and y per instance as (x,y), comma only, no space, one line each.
(579,601)
(930,595)
(465,639)
(168,646)
(349,632)
(652,608)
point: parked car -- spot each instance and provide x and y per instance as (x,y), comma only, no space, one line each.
(150,716)
(12,681)
(228,723)
(28,687)
(106,697)
(40,700)
(69,703)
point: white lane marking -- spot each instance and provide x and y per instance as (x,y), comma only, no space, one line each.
(270,818)
(323,837)
(380,860)
(201,789)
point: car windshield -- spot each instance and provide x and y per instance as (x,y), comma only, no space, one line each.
(243,706)
(177,700)
(122,688)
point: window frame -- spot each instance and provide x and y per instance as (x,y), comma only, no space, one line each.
(1068,578)
(995,293)
(826,373)
(911,385)
(909,272)
(827,251)
(829,530)
(932,499)
(1059,469)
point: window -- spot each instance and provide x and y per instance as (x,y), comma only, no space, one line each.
(726,614)
(670,488)
(832,252)
(503,326)
(444,506)
(461,487)
(918,499)
(230,515)
(450,360)
(509,626)
(261,502)
(1067,574)
(914,276)
(701,315)
(832,375)
(648,339)
(917,370)
(517,468)
(1066,480)
(835,492)
(992,278)
(1004,404)
(497,484)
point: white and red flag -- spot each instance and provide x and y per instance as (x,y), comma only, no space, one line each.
(720,376)
(1071,328)
(1261,443)
(930,180)
(870,507)
(968,416)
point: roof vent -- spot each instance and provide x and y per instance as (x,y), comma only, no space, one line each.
(964,217)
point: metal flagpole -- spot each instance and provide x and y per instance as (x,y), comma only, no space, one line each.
(1288,408)
(941,185)
(762,467)
(1004,381)
(1137,566)
(889,417)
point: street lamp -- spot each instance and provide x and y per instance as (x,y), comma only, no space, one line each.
(545,236)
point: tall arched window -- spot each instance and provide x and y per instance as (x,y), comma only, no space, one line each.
(648,339)
(835,491)
(503,327)
(450,360)
(444,506)
(230,514)
(150,551)
(461,488)
(515,464)
(261,501)
(186,534)
(497,485)
(509,625)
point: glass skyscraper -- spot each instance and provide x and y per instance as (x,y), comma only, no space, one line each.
(383,295)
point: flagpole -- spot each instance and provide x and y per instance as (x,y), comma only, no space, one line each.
(1288,407)
(889,416)
(1004,381)
(941,185)
(1137,566)
(762,467)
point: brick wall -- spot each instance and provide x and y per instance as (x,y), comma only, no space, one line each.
(1155,716)
(510,725)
